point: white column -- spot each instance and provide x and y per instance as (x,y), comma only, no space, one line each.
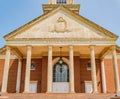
(93,69)
(27,74)
(18,75)
(71,69)
(115,68)
(6,71)
(49,75)
(103,77)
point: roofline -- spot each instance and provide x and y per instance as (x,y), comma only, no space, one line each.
(2,49)
(118,47)
(79,17)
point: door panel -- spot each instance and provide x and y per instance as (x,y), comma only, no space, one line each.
(33,87)
(88,87)
(60,87)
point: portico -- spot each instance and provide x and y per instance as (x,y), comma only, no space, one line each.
(91,52)
(36,66)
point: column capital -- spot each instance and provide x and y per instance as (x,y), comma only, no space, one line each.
(92,46)
(113,47)
(8,48)
(29,47)
(101,59)
(71,47)
(50,47)
(20,59)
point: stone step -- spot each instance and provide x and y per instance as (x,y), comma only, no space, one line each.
(56,96)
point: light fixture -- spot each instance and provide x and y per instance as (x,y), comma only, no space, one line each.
(60,60)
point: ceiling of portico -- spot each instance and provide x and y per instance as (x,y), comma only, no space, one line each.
(82,51)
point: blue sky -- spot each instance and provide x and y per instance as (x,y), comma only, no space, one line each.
(15,13)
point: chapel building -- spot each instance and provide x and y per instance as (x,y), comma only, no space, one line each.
(60,52)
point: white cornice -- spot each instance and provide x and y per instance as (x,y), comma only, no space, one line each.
(63,41)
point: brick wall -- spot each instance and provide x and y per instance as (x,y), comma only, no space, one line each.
(12,75)
(77,74)
(35,75)
(1,71)
(109,76)
(44,74)
(85,75)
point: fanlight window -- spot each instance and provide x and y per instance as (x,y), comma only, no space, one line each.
(61,1)
(60,73)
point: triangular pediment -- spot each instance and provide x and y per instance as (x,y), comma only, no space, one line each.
(60,23)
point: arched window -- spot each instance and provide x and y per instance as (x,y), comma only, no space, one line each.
(61,1)
(60,72)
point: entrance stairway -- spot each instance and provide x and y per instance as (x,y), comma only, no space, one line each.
(55,96)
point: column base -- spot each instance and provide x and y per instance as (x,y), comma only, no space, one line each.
(26,92)
(3,97)
(72,92)
(2,93)
(96,92)
(49,92)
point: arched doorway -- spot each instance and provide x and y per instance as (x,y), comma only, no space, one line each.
(60,78)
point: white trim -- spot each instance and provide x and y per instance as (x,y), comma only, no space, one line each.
(88,68)
(52,41)
(88,82)
(60,87)
(34,82)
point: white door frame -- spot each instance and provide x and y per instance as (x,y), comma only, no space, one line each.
(60,87)
(62,83)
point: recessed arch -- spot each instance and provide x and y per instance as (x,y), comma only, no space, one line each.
(63,58)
